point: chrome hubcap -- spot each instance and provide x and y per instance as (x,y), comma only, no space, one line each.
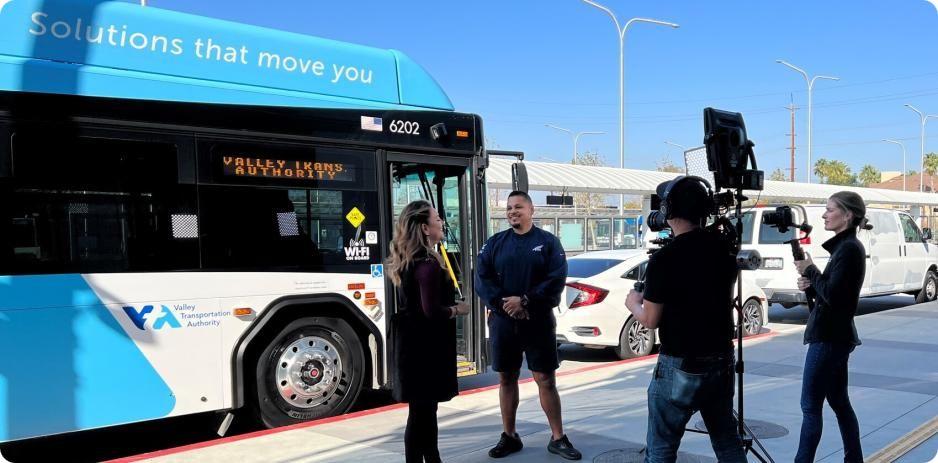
(639,338)
(308,372)
(930,288)
(752,319)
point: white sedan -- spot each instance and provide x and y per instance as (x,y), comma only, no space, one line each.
(592,310)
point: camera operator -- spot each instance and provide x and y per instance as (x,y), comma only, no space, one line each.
(688,297)
(831,334)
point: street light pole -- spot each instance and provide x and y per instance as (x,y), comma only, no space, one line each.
(904,171)
(622,31)
(682,147)
(576,142)
(576,138)
(924,118)
(810,82)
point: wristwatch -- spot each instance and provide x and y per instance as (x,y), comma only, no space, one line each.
(524,301)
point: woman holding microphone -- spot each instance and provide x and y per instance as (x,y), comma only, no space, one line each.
(830,333)
(424,327)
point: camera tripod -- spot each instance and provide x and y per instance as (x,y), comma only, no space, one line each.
(750,441)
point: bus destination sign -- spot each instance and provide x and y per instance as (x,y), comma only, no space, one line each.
(276,168)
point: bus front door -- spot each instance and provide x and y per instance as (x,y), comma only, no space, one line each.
(445,183)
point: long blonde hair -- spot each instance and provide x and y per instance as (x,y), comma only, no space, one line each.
(409,240)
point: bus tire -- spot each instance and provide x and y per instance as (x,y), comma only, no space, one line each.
(313,368)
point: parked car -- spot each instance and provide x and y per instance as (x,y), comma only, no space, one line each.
(592,310)
(900,258)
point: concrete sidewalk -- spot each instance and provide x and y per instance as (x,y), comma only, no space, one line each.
(893,387)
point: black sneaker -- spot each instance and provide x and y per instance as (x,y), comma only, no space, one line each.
(506,446)
(564,448)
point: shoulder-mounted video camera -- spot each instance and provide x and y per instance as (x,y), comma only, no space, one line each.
(729,156)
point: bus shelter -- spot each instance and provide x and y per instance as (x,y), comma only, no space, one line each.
(606,228)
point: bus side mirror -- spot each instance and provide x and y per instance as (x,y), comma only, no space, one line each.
(519,177)
(926,234)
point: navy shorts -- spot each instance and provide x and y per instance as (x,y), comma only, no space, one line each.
(535,339)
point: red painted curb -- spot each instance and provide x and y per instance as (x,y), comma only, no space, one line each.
(251,435)
(374,411)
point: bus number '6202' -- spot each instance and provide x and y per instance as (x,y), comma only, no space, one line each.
(407,127)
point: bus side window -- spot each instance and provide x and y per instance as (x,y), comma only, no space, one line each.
(281,206)
(86,205)
(265,229)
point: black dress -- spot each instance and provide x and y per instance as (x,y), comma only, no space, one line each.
(424,335)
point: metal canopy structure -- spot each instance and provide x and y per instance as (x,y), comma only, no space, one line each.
(546,176)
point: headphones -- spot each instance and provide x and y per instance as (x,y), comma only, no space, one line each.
(666,207)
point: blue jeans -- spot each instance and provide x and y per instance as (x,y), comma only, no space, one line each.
(825,377)
(682,387)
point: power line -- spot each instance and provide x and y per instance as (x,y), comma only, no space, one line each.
(640,119)
(707,99)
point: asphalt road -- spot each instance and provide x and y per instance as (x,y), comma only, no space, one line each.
(105,444)
(798,315)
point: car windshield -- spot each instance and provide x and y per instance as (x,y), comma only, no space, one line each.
(585,268)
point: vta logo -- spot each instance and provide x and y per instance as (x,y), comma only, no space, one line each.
(140,318)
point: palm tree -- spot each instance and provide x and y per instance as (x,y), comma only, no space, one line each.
(931,167)
(869,175)
(778,175)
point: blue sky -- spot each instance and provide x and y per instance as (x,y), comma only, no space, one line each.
(523,64)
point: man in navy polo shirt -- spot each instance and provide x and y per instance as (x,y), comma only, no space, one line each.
(520,275)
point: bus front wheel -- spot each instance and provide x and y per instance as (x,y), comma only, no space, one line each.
(313,368)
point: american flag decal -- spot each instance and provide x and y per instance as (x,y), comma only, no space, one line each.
(372,123)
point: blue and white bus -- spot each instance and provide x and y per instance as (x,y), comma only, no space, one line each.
(194,215)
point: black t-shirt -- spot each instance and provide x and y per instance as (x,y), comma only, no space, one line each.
(693,279)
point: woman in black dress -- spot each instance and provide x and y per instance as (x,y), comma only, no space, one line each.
(424,327)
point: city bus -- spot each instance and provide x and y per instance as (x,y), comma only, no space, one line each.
(194,216)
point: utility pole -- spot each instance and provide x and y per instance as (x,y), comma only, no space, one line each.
(791,107)
(810,81)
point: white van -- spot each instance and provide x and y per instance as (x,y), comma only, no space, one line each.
(900,259)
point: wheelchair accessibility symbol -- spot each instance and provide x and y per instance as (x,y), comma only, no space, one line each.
(377,270)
